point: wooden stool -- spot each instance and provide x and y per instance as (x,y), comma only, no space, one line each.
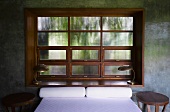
(151,98)
(17,100)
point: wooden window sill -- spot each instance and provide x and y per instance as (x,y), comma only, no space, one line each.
(107,83)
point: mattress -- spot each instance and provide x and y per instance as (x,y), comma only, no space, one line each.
(87,105)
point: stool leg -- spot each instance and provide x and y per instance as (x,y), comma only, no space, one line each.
(163,110)
(20,109)
(144,108)
(13,109)
(156,108)
(6,109)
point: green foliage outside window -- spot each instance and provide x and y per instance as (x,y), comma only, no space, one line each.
(83,32)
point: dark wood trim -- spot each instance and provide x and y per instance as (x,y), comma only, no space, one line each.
(45,12)
(30,34)
(137,57)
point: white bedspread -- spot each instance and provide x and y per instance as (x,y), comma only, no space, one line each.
(87,105)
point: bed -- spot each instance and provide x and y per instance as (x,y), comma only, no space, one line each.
(90,99)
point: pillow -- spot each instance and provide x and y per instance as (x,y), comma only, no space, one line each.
(62,92)
(107,92)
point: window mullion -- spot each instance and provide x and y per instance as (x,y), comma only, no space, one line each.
(101,48)
(69,50)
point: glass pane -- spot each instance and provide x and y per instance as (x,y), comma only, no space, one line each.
(52,39)
(117,39)
(52,54)
(85,39)
(113,70)
(84,54)
(52,23)
(88,70)
(117,23)
(55,70)
(85,23)
(117,54)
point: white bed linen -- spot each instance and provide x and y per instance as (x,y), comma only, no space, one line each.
(87,105)
(108,92)
(62,92)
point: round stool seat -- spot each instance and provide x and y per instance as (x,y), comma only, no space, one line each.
(17,100)
(152,98)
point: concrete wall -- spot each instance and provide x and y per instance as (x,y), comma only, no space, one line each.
(12,40)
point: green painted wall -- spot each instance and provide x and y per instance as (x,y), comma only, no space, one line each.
(12,40)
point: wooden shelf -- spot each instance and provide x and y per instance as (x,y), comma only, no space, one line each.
(107,83)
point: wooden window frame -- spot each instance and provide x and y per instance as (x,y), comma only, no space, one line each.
(32,58)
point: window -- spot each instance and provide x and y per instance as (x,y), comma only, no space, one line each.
(84,47)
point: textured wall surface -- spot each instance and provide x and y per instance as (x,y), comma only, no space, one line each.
(12,40)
